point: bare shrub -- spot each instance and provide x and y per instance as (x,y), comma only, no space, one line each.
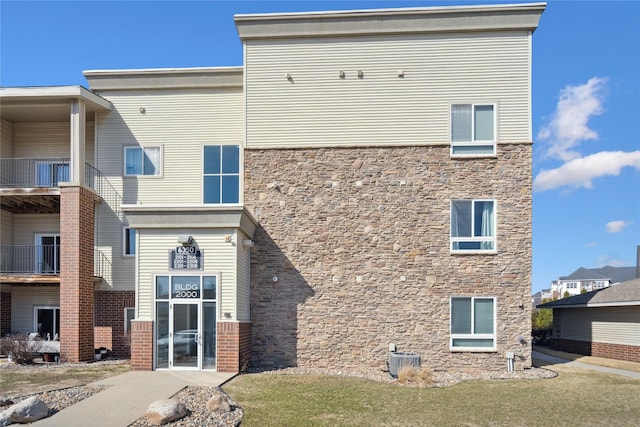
(411,375)
(20,349)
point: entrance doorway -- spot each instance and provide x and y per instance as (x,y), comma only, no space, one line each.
(46,321)
(185,326)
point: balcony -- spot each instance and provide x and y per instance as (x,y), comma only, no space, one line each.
(41,263)
(33,185)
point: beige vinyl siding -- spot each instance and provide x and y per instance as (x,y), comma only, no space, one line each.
(33,140)
(23,299)
(179,121)
(26,226)
(6,139)
(6,229)
(219,257)
(243,295)
(318,108)
(613,325)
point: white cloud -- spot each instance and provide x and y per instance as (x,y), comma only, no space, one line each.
(590,245)
(617,226)
(580,172)
(568,125)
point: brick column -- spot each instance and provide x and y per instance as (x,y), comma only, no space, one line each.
(5,313)
(234,346)
(142,345)
(76,273)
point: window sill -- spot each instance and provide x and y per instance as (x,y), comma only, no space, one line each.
(473,350)
(473,156)
(142,176)
(473,252)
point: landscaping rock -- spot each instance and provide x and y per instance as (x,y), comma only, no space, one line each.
(5,401)
(218,404)
(4,419)
(27,411)
(164,411)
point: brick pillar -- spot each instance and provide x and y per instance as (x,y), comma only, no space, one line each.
(234,346)
(76,273)
(142,345)
(5,313)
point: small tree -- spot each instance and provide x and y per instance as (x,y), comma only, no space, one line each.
(566,294)
(20,349)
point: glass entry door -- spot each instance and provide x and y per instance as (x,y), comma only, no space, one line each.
(185,337)
(185,322)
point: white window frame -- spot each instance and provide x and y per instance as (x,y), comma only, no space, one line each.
(473,142)
(240,175)
(493,239)
(159,168)
(126,325)
(473,335)
(124,241)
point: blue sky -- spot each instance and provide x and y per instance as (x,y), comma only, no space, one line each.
(585,80)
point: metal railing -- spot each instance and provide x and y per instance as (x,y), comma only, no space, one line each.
(32,173)
(30,259)
(44,260)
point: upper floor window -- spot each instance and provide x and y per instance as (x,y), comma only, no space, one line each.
(221,174)
(473,130)
(129,242)
(473,323)
(142,161)
(473,225)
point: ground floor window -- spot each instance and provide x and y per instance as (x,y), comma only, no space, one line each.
(473,324)
(185,321)
(46,322)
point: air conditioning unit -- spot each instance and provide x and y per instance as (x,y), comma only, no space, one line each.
(397,361)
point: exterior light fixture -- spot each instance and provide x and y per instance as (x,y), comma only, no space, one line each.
(185,239)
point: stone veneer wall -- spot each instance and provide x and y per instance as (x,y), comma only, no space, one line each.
(5,313)
(109,325)
(630,353)
(358,239)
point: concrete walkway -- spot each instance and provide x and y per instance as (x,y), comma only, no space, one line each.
(554,359)
(128,396)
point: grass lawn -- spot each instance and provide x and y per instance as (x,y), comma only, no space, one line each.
(576,397)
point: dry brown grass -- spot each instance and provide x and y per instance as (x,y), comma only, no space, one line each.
(411,375)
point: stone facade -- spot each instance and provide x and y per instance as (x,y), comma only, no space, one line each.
(358,239)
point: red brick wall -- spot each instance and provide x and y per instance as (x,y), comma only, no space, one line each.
(142,345)
(5,313)
(234,346)
(109,321)
(76,273)
(628,353)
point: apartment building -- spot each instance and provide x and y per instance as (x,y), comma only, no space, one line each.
(362,182)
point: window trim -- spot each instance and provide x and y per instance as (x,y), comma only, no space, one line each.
(240,175)
(127,330)
(493,336)
(474,143)
(124,242)
(160,168)
(494,239)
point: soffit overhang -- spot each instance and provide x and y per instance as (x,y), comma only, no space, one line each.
(47,103)
(165,78)
(145,217)
(374,22)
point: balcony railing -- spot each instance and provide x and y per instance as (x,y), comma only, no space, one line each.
(30,259)
(33,173)
(44,260)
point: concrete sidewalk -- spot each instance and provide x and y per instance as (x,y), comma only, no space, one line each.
(554,359)
(128,396)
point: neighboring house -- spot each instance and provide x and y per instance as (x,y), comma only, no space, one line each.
(603,322)
(363,180)
(543,295)
(590,279)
